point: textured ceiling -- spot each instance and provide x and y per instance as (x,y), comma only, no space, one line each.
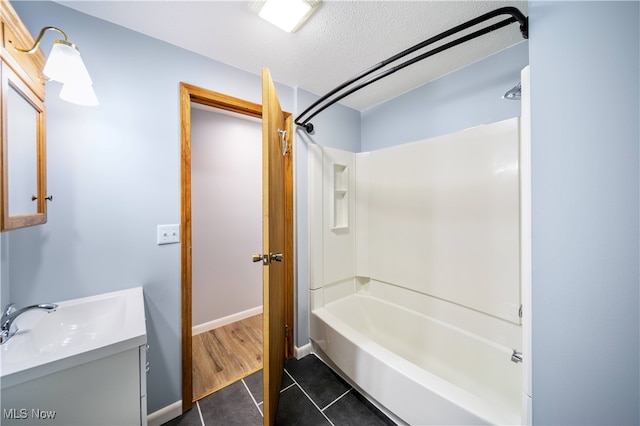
(342,38)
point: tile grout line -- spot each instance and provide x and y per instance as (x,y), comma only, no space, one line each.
(287,388)
(252,398)
(200,412)
(336,400)
(307,395)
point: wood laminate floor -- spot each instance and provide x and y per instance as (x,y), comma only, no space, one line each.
(225,355)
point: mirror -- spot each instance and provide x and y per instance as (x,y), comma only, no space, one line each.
(22,152)
(22,165)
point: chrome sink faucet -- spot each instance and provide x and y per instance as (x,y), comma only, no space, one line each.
(10,314)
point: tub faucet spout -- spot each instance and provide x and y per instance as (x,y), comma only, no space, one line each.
(516,356)
(10,314)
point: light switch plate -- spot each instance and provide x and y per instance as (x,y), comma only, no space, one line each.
(168,234)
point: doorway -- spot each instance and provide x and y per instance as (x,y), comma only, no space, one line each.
(191,94)
(226,217)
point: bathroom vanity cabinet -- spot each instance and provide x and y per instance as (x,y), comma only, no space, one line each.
(22,151)
(107,391)
(84,364)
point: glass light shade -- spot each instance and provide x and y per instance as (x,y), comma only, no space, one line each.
(287,15)
(79,93)
(64,64)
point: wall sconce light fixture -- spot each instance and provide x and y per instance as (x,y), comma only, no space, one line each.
(288,15)
(65,65)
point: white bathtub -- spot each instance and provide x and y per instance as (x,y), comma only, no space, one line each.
(422,370)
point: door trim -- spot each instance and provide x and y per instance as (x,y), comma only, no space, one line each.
(189,94)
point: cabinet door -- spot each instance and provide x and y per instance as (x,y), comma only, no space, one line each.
(22,174)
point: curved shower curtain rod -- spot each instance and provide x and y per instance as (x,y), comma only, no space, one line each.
(320,105)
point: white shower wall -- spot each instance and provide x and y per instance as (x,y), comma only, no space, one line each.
(332,248)
(433,226)
(444,218)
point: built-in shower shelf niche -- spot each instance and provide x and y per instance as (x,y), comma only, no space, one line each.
(340,197)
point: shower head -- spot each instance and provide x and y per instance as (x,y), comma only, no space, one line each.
(514,94)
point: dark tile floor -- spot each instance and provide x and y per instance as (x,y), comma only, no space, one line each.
(312,394)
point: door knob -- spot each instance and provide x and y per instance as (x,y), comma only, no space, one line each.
(267,258)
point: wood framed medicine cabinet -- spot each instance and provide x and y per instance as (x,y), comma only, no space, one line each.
(22,151)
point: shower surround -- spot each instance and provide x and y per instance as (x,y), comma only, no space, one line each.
(415,274)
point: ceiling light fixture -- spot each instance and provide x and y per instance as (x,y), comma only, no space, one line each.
(288,15)
(65,65)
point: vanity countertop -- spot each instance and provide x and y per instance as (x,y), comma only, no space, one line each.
(79,331)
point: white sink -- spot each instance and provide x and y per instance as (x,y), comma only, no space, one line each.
(79,331)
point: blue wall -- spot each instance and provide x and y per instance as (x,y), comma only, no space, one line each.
(585,185)
(466,98)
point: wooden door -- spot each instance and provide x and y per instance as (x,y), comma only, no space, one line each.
(273,244)
(192,94)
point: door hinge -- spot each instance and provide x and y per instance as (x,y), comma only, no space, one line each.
(520,312)
(286,331)
(283,141)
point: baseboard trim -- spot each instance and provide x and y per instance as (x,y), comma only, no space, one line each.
(165,414)
(203,328)
(302,351)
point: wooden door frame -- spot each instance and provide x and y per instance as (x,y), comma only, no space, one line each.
(189,94)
